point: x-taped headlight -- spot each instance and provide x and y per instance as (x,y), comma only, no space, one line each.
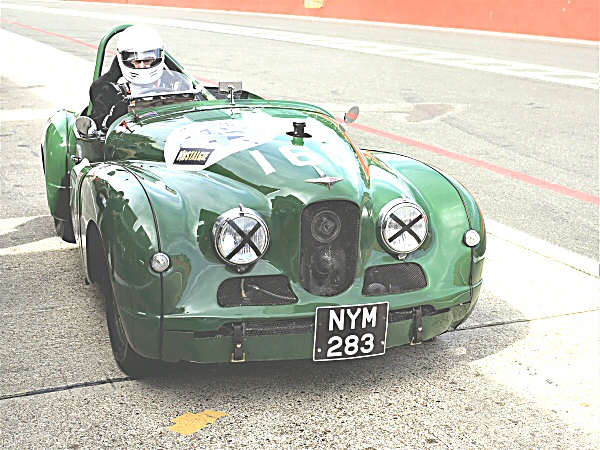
(241,236)
(402,226)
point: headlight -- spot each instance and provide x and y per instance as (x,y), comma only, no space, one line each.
(241,236)
(402,226)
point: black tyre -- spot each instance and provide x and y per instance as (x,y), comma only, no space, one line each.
(130,362)
(64,230)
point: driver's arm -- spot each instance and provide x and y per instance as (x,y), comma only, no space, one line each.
(108,104)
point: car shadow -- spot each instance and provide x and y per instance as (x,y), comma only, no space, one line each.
(34,230)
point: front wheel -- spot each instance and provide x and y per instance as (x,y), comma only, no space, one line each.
(127,358)
(64,230)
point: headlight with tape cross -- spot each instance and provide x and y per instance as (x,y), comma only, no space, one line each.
(240,236)
(402,226)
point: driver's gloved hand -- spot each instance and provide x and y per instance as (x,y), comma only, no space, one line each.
(122,87)
(116,111)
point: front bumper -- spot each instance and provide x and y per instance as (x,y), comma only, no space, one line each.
(294,339)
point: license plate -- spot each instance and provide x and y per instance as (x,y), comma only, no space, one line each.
(346,332)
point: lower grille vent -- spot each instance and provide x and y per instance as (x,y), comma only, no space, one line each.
(267,290)
(393,279)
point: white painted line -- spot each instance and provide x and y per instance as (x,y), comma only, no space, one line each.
(543,248)
(510,68)
(57,86)
(536,285)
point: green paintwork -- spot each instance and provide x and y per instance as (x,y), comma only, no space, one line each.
(58,144)
(141,203)
(181,345)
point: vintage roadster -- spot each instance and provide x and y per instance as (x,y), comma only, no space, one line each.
(227,228)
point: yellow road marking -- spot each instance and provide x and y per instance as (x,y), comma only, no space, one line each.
(189,423)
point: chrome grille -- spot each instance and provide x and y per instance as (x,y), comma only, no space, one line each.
(329,247)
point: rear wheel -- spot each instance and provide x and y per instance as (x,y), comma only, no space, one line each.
(129,360)
(64,230)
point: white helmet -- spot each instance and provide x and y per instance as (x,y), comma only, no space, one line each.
(140,51)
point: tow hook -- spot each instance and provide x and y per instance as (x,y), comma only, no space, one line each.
(238,354)
(418,334)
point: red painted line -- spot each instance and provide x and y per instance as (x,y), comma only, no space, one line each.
(579,195)
(205,80)
(77,41)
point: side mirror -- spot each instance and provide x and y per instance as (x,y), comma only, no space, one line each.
(86,127)
(351,115)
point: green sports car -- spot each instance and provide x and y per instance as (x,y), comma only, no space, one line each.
(224,227)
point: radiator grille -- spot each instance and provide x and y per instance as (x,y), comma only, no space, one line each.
(264,290)
(393,279)
(329,247)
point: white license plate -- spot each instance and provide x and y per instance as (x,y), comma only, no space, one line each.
(346,332)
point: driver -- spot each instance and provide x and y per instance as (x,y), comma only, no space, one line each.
(139,63)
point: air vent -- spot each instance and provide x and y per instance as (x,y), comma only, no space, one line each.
(393,279)
(264,290)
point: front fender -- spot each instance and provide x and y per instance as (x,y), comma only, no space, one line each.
(451,207)
(186,208)
(58,145)
(112,199)
(477,223)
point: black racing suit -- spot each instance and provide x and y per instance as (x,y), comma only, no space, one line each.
(107,99)
(108,92)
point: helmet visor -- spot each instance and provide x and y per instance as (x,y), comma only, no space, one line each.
(142,60)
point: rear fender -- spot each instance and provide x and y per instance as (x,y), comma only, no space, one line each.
(58,145)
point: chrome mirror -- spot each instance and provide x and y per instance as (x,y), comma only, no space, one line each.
(86,127)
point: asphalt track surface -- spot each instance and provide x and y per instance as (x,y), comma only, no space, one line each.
(523,373)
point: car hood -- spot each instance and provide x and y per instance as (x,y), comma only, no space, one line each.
(266,149)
